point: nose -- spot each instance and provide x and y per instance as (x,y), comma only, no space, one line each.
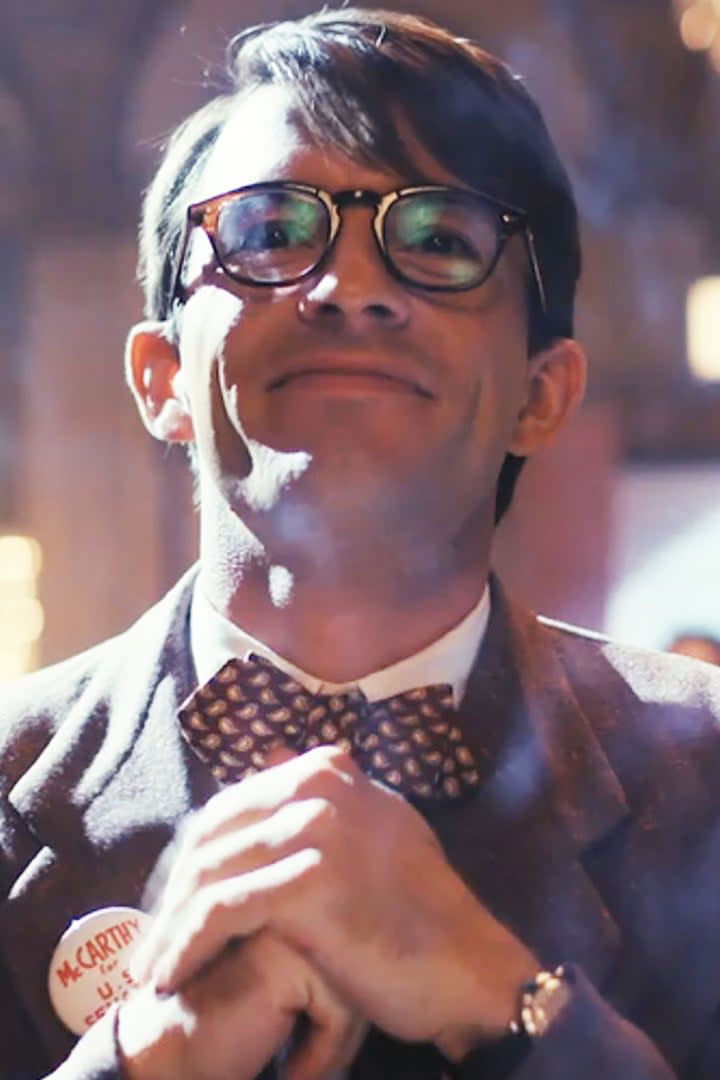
(354,290)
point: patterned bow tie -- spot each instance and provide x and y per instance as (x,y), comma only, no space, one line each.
(410,742)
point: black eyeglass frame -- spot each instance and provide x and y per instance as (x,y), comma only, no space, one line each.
(205,215)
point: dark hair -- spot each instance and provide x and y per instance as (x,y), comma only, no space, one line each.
(354,73)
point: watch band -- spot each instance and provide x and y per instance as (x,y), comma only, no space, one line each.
(497,1059)
(542,1000)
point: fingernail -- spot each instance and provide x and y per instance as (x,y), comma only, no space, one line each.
(158,977)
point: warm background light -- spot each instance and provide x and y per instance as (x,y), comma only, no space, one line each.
(21,613)
(714,53)
(699,25)
(703,328)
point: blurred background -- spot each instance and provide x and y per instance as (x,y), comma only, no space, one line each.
(616,527)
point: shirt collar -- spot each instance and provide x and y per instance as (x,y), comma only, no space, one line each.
(215,640)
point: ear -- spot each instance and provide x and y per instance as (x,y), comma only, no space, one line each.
(154,375)
(556,385)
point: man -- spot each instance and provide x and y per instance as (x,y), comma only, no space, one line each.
(434,836)
(700,645)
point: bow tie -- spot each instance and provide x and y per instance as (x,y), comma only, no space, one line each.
(410,742)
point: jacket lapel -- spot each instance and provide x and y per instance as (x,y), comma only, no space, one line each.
(547,796)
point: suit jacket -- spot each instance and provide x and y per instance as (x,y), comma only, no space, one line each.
(595,834)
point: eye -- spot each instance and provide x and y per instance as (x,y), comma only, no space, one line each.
(439,241)
(269,235)
(269,225)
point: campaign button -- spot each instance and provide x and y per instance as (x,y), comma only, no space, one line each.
(90,968)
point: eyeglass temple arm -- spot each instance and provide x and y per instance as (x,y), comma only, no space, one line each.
(532,255)
(177,289)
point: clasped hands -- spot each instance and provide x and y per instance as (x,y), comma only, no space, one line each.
(309,891)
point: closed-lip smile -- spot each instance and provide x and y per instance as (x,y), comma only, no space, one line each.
(339,373)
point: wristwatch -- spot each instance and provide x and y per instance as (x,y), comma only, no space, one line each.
(542,1001)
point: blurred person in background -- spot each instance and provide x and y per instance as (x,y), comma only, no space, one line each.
(416,830)
(699,645)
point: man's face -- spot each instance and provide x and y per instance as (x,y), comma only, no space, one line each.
(349,389)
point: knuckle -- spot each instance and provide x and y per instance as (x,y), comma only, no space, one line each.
(326,772)
(206,871)
(220,811)
(213,911)
(310,822)
(337,757)
(195,879)
(259,849)
(322,818)
(310,867)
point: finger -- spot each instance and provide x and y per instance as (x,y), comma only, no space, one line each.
(243,1008)
(332,1034)
(329,1047)
(229,909)
(329,1033)
(293,777)
(323,770)
(169,884)
(294,827)
(226,813)
(239,806)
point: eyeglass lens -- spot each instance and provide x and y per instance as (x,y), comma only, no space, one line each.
(272,235)
(441,238)
(438,239)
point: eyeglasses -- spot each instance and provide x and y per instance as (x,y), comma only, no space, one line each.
(441,239)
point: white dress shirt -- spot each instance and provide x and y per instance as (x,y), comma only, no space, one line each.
(214,640)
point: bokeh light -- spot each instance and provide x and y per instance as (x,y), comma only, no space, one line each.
(703,328)
(21,614)
(699,25)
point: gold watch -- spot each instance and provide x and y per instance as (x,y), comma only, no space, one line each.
(543,1000)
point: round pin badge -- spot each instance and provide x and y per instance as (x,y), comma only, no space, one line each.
(90,968)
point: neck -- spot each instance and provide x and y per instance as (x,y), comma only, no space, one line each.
(350,605)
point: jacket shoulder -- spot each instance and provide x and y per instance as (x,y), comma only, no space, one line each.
(97,688)
(33,707)
(656,716)
(650,677)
